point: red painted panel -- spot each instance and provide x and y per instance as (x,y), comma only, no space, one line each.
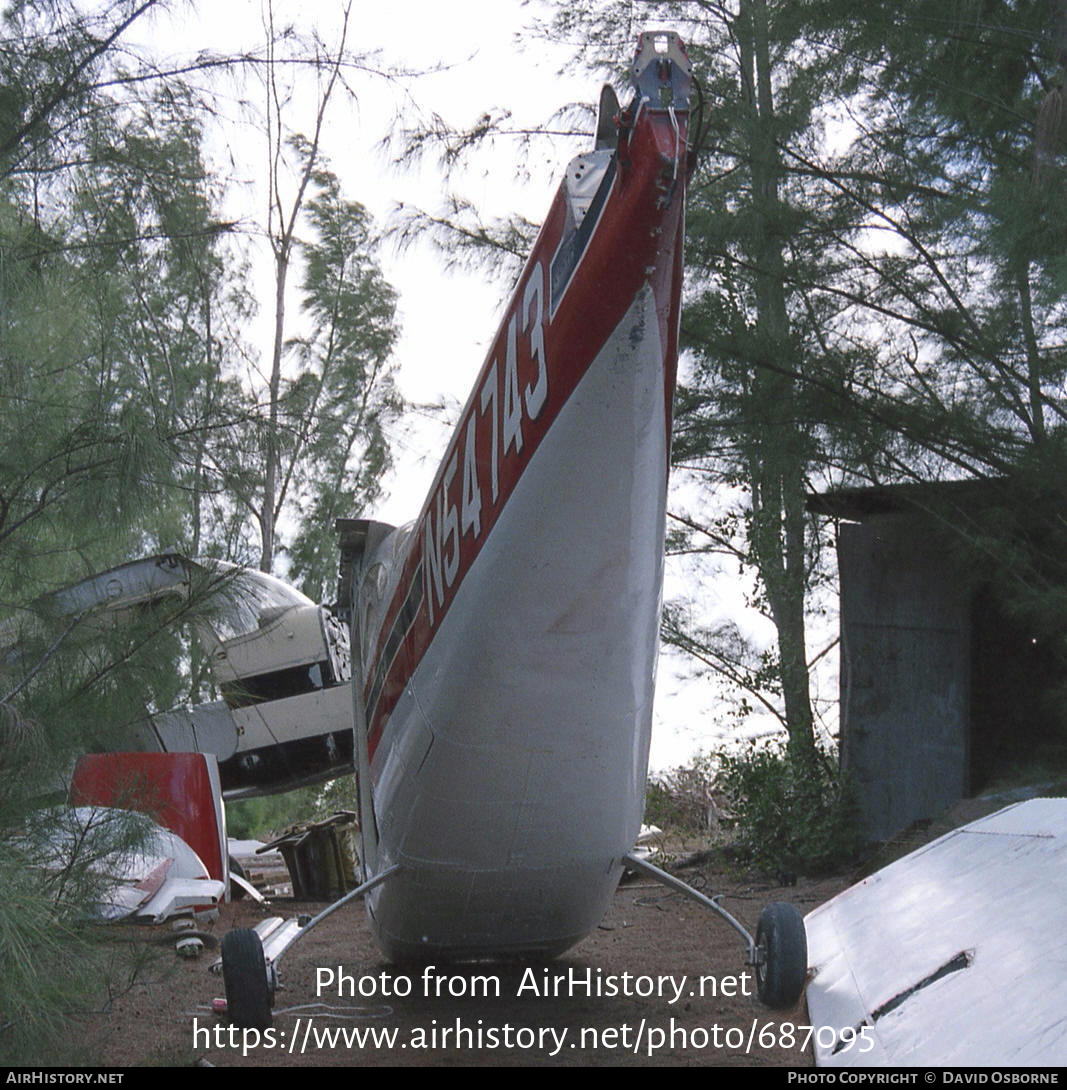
(537,361)
(174,789)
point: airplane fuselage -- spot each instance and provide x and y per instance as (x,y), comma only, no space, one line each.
(509,638)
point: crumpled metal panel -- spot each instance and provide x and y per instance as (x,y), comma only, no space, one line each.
(953,955)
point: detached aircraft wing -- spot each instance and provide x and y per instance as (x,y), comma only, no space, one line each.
(953,956)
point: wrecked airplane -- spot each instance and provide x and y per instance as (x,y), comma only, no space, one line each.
(505,645)
(281,666)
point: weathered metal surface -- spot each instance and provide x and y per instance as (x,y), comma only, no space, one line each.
(905,660)
(952,956)
(509,642)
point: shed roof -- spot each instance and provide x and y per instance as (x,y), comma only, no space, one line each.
(859,504)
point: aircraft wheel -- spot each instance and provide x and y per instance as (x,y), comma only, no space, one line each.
(781,974)
(248,998)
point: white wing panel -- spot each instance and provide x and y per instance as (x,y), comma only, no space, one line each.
(953,955)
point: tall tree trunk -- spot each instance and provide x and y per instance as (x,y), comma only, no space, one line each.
(282,230)
(776,444)
(273,454)
(1033,354)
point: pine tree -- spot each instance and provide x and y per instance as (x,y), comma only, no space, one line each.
(875,270)
(111,288)
(762,228)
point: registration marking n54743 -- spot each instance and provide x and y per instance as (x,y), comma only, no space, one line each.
(493,444)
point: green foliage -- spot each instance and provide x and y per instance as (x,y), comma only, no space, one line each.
(789,811)
(128,422)
(47,967)
(349,394)
(57,961)
(257,818)
(312,442)
(112,296)
(875,282)
(272,814)
(677,801)
(767,805)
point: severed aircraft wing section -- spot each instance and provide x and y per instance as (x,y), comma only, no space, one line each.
(955,955)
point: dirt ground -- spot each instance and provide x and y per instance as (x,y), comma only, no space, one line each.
(665,943)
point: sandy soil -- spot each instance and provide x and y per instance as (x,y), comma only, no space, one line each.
(648,933)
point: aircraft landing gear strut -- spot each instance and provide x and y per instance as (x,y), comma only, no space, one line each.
(779,951)
(250,972)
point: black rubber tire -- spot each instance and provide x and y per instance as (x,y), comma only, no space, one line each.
(781,974)
(248,994)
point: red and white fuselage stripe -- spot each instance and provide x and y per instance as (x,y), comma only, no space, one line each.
(509,689)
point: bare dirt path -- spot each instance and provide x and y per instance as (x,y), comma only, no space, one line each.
(662,1013)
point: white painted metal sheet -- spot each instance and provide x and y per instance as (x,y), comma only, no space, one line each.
(953,955)
(519,797)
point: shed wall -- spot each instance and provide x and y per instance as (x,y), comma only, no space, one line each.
(905,677)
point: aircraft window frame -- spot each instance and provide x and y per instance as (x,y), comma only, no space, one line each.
(249,598)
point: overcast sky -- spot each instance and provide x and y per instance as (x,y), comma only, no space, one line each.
(473,58)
